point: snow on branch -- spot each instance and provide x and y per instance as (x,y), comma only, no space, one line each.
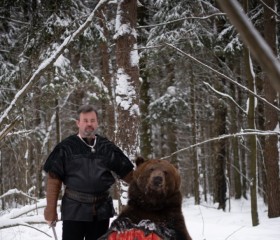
(245,132)
(16,191)
(48,63)
(224,76)
(9,224)
(225,95)
(9,127)
(24,216)
(182,19)
(15,21)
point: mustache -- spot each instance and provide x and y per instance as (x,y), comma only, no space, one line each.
(90,131)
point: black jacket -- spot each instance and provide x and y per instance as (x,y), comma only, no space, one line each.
(81,170)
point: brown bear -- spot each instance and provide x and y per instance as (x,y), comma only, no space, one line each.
(154,203)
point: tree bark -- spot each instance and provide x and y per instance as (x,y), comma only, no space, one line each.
(194,141)
(127,80)
(220,186)
(271,154)
(145,130)
(108,107)
(252,143)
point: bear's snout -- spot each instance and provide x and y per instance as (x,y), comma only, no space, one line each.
(157,181)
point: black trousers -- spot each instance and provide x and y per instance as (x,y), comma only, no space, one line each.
(77,230)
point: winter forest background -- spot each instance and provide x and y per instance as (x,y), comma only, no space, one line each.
(172,80)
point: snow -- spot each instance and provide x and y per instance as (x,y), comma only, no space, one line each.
(125,93)
(134,56)
(204,222)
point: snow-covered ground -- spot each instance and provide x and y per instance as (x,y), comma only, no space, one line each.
(204,222)
(208,223)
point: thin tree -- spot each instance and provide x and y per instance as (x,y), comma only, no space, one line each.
(219,163)
(252,141)
(194,140)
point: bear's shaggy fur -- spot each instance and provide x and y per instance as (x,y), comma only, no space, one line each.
(154,195)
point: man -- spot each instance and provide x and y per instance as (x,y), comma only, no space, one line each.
(84,163)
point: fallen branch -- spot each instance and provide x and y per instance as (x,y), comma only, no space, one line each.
(16,191)
(14,218)
(234,232)
(10,224)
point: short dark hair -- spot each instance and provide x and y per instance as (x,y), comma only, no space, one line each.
(85,109)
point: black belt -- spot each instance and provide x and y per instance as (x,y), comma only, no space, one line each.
(85,197)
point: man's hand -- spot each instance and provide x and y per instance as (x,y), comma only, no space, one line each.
(51,223)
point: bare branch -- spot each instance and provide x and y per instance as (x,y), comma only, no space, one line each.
(246,132)
(15,21)
(182,19)
(225,77)
(272,10)
(226,96)
(9,127)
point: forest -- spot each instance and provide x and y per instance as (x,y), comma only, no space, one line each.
(171,79)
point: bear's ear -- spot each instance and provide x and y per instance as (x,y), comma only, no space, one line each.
(139,161)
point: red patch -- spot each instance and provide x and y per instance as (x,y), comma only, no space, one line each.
(133,234)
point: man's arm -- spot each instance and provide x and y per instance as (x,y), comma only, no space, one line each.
(128,178)
(53,188)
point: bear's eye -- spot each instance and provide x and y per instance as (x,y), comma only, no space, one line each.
(165,173)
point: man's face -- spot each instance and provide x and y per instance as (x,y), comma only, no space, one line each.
(87,124)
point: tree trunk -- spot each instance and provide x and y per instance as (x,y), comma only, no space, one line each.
(145,131)
(252,143)
(145,134)
(194,141)
(127,82)
(108,109)
(220,161)
(271,154)
(235,148)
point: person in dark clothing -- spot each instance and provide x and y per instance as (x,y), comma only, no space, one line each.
(84,163)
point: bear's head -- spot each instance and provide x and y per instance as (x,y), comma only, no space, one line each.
(155,179)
